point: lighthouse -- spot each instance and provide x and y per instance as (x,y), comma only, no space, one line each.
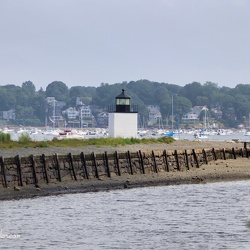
(123,119)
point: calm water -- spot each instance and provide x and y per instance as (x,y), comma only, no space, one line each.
(235,135)
(208,216)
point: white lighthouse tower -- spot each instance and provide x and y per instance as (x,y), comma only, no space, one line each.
(123,120)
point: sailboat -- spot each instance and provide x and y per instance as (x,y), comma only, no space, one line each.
(247,132)
(171,134)
(204,134)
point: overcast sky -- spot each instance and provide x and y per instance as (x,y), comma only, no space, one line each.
(89,42)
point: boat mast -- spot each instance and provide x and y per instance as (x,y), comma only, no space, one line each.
(205,123)
(172,113)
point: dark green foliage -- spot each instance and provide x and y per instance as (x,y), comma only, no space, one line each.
(24,138)
(25,141)
(42,144)
(30,106)
(59,90)
(5,137)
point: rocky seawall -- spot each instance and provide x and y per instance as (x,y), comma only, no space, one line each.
(149,169)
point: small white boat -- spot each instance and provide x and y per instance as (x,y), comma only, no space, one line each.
(201,136)
(247,132)
(70,134)
(224,132)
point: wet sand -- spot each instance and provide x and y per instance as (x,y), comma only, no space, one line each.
(220,170)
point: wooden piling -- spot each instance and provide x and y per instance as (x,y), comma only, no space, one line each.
(72,165)
(58,167)
(241,153)
(19,170)
(205,155)
(43,158)
(195,158)
(224,154)
(107,163)
(33,166)
(85,170)
(177,159)
(246,150)
(214,154)
(141,161)
(234,153)
(95,166)
(186,158)
(3,171)
(154,161)
(117,163)
(166,160)
(129,162)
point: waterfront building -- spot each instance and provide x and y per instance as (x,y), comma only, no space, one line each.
(123,120)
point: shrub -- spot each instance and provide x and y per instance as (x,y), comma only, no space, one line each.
(42,144)
(24,138)
(5,137)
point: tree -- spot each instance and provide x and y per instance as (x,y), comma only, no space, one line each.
(144,89)
(161,93)
(38,105)
(182,106)
(29,87)
(191,91)
(7,100)
(241,106)
(243,89)
(105,94)
(201,101)
(84,93)
(59,90)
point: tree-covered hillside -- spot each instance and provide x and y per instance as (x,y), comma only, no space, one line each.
(30,104)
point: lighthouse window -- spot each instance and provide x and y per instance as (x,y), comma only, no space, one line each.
(122,101)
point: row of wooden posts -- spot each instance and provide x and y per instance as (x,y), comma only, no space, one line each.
(116,160)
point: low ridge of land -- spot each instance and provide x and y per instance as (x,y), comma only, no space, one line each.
(220,170)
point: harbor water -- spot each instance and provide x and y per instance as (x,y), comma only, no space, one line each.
(201,216)
(47,135)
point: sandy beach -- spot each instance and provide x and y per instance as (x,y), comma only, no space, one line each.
(220,170)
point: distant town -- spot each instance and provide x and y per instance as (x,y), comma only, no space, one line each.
(160,105)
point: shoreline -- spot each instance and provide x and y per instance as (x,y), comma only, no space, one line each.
(220,170)
(178,145)
(216,171)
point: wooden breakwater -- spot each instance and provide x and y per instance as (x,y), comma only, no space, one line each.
(22,171)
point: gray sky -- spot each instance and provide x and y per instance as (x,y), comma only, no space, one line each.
(89,42)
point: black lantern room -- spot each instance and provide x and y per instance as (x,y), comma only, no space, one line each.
(123,103)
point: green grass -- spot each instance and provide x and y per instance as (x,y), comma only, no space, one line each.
(4,137)
(26,142)
(24,139)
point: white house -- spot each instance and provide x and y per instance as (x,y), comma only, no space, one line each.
(9,115)
(71,113)
(154,114)
(193,115)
